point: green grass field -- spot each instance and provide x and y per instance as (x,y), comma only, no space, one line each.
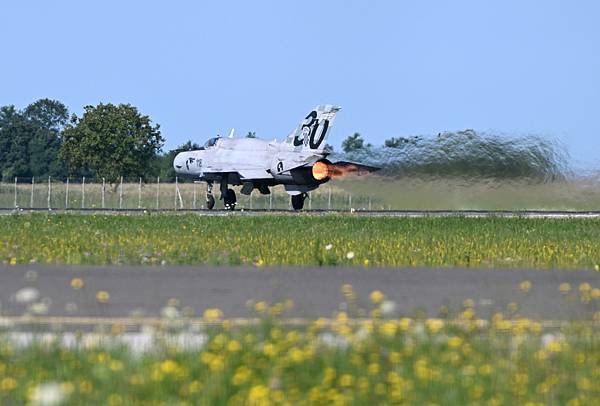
(300,240)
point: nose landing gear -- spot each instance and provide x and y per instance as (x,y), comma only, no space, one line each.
(210,199)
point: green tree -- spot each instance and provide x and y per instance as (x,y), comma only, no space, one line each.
(109,141)
(49,117)
(396,142)
(328,148)
(15,133)
(251,134)
(354,142)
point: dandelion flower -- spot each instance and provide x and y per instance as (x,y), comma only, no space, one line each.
(525,286)
(350,255)
(328,247)
(77,283)
(102,296)
(377,296)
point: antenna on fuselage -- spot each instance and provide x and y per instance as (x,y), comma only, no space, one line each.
(231,133)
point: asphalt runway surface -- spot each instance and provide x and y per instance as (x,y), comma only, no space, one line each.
(144,292)
(325,212)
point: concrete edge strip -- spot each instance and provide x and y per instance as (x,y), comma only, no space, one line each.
(241,322)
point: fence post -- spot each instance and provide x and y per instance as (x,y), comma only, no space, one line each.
(271,198)
(16,192)
(251,199)
(31,198)
(309,202)
(49,193)
(140,194)
(194,199)
(329,199)
(103,188)
(369,203)
(83,193)
(157,191)
(67,194)
(121,194)
(176,190)
(349,202)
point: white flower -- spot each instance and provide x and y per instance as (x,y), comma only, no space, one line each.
(26,295)
(169,312)
(550,338)
(47,394)
(328,247)
(388,307)
(38,308)
(350,255)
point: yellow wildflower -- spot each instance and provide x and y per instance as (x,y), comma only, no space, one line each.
(212,315)
(434,325)
(525,286)
(388,328)
(102,296)
(346,380)
(258,394)
(377,296)
(233,346)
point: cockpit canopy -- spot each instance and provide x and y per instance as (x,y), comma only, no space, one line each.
(211,142)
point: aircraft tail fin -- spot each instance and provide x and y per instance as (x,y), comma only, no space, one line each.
(311,134)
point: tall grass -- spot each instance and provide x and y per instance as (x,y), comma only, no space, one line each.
(300,240)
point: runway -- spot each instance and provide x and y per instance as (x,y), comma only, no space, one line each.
(320,212)
(80,295)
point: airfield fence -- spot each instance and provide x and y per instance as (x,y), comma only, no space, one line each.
(127,194)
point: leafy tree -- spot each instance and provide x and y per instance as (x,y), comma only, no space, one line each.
(49,114)
(49,117)
(30,139)
(354,142)
(111,141)
(396,142)
(15,133)
(251,134)
(329,148)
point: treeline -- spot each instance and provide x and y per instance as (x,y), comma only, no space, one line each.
(109,141)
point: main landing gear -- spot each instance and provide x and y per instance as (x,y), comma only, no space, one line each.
(228,196)
(229,199)
(298,201)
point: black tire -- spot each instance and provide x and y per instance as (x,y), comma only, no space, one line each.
(229,200)
(210,202)
(298,201)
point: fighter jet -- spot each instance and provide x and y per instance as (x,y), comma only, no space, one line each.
(299,162)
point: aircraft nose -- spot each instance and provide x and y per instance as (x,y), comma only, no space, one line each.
(179,162)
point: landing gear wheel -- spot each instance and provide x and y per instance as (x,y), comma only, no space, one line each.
(229,199)
(298,201)
(210,202)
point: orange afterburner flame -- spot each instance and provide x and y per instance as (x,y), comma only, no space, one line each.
(320,171)
(339,171)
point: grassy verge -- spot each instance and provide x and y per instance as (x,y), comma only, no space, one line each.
(301,240)
(372,362)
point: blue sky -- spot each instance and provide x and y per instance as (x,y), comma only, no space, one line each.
(397,68)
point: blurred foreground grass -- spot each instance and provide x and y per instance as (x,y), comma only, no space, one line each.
(300,240)
(375,361)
